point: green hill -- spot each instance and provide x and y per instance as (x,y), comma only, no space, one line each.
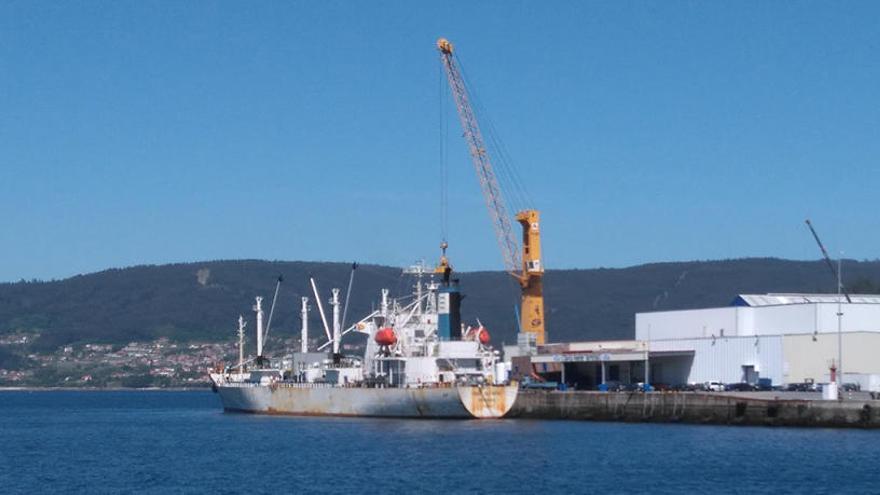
(201,301)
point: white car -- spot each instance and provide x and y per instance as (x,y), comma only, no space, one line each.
(714,386)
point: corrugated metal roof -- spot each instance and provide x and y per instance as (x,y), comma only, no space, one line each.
(774,299)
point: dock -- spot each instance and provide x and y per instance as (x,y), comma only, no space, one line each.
(698,407)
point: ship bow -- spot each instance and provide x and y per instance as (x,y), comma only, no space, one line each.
(488,402)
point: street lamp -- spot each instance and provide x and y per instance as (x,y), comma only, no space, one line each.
(839,328)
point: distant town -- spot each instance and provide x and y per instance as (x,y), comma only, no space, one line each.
(159,363)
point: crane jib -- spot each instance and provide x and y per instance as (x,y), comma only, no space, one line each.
(524,265)
(488,182)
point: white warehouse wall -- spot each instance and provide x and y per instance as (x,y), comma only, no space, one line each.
(781,320)
(856,317)
(723,359)
(791,319)
(690,323)
(806,358)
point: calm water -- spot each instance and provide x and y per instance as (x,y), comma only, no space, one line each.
(181,442)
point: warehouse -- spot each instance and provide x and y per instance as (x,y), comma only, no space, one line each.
(788,338)
(581,365)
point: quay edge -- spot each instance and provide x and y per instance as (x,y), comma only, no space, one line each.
(699,408)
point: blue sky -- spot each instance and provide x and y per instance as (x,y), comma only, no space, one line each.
(153,132)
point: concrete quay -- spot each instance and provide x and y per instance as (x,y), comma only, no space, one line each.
(772,409)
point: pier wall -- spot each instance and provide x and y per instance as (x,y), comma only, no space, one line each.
(691,407)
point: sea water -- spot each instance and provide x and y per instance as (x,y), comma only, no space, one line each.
(182,442)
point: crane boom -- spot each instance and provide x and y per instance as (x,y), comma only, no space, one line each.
(523,265)
(828,260)
(488,182)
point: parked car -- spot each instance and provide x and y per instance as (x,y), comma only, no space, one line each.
(713,386)
(850,387)
(530,383)
(611,386)
(632,387)
(740,387)
(765,384)
(686,387)
(802,387)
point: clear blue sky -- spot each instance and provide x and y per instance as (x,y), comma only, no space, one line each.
(150,132)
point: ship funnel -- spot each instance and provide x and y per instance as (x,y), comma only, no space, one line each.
(449,313)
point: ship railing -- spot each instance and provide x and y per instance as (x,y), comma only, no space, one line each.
(283,385)
(308,385)
(355,385)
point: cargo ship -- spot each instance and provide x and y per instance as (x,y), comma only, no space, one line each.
(419,361)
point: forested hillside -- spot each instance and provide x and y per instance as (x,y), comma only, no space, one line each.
(201,301)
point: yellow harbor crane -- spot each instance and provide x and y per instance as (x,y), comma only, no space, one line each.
(525,265)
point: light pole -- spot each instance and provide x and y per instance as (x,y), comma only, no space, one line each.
(839,328)
(648,359)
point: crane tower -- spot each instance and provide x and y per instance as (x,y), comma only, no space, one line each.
(525,264)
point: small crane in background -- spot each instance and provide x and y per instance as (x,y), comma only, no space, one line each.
(838,367)
(834,271)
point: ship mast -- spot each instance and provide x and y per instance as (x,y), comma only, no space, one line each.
(334,301)
(258,308)
(304,334)
(241,325)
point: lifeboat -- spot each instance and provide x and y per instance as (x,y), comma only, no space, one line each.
(386,337)
(479,334)
(483,335)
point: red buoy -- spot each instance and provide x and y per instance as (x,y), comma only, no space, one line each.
(386,337)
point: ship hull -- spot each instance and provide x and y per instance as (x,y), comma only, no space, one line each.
(463,402)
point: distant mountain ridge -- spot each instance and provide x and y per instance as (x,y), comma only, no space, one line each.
(201,301)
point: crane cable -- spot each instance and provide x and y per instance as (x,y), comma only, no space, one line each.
(489,184)
(511,181)
(444,167)
(507,172)
(507,175)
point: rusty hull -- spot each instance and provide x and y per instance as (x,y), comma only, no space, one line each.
(304,400)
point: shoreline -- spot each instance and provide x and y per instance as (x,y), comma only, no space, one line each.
(105,389)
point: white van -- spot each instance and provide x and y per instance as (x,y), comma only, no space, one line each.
(714,386)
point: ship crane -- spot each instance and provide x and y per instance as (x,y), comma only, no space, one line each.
(525,264)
